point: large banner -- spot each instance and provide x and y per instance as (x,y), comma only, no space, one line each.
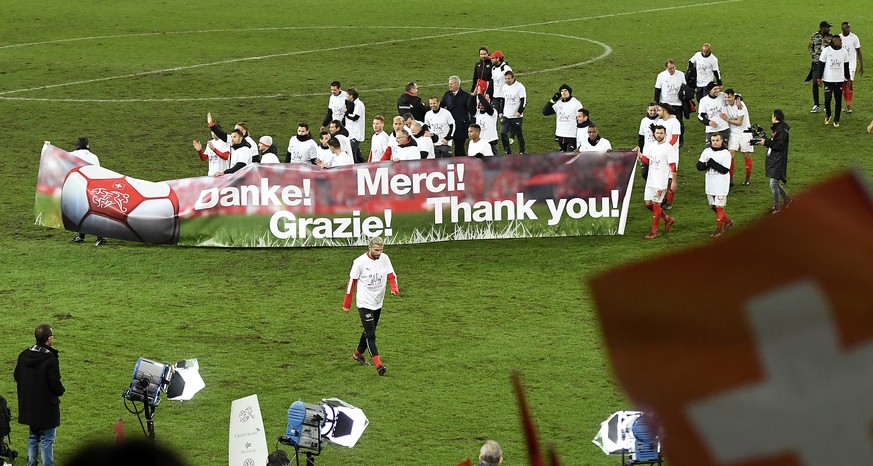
(281,205)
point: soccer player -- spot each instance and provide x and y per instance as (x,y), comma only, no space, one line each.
(355,122)
(499,67)
(486,118)
(268,150)
(373,270)
(241,152)
(819,40)
(441,123)
(856,61)
(406,148)
(478,146)
(833,71)
(706,65)
(667,86)
(513,112)
(301,148)
(216,153)
(646,134)
(323,155)
(380,142)
(715,161)
(776,164)
(737,116)
(424,140)
(336,104)
(656,184)
(340,156)
(338,131)
(565,107)
(594,142)
(710,112)
(673,131)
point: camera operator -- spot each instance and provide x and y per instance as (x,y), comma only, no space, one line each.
(776,164)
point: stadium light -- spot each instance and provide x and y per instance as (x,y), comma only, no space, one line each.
(632,433)
(180,382)
(333,420)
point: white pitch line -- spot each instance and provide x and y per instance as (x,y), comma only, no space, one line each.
(613,15)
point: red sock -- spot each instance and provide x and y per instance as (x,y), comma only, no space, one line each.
(376,361)
(731,171)
(719,217)
(748,167)
(847,94)
(656,217)
(670,195)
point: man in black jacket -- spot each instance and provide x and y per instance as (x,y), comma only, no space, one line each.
(455,101)
(776,164)
(482,74)
(38,377)
(410,102)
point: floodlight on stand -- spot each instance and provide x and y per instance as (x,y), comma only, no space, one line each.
(179,382)
(634,434)
(333,420)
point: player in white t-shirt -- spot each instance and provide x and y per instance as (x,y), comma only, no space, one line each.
(371,272)
(656,157)
(710,110)
(380,141)
(441,123)
(706,65)
(852,43)
(667,86)
(593,142)
(515,96)
(336,105)
(565,107)
(355,121)
(302,148)
(478,147)
(424,140)
(340,157)
(486,117)
(673,132)
(737,116)
(715,161)
(833,72)
(646,135)
(215,154)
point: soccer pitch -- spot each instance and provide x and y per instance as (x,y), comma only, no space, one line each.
(139,77)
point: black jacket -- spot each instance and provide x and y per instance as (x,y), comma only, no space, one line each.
(483,71)
(457,105)
(776,164)
(38,376)
(408,103)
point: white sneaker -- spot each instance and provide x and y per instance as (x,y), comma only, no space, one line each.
(814,109)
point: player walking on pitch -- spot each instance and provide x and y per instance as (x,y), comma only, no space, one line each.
(373,270)
(657,158)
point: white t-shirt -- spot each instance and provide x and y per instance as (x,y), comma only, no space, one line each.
(425,144)
(405,153)
(341,159)
(716,184)
(513,95)
(602,145)
(357,128)
(378,145)
(669,84)
(337,105)
(674,130)
(705,68)
(439,123)
(733,113)
(659,166)
(565,117)
(216,163)
(834,60)
(372,277)
(851,43)
(244,154)
(480,147)
(302,151)
(345,144)
(88,156)
(498,76)
(325,155)
(646,130)
(269,157)
(488,123)
(713,107)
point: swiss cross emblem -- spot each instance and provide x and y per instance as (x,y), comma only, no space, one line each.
(118,185)
(756,350)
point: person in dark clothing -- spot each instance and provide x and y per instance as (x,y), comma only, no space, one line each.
(455,101)
(38,377)
(410,102)
(776,164)
(482,74)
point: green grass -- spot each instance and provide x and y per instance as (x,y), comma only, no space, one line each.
(268,321)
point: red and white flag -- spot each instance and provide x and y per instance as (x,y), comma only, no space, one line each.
(757,349)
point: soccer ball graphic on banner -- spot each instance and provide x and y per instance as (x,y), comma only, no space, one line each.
(101,202)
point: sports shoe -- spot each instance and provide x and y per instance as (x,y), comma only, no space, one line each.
(381,370)
(100,240)
(848,109)
(668,206)
(836,124)
(360,359)
(651,235)
(77,239)
(774,210)
(814,109)
(870,127)
(828,120)
(727,226)
(747,182)
(717,233)
(669,224)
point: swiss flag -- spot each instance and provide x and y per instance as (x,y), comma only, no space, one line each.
(756,349)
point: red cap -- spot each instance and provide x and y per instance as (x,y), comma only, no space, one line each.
(496,54)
